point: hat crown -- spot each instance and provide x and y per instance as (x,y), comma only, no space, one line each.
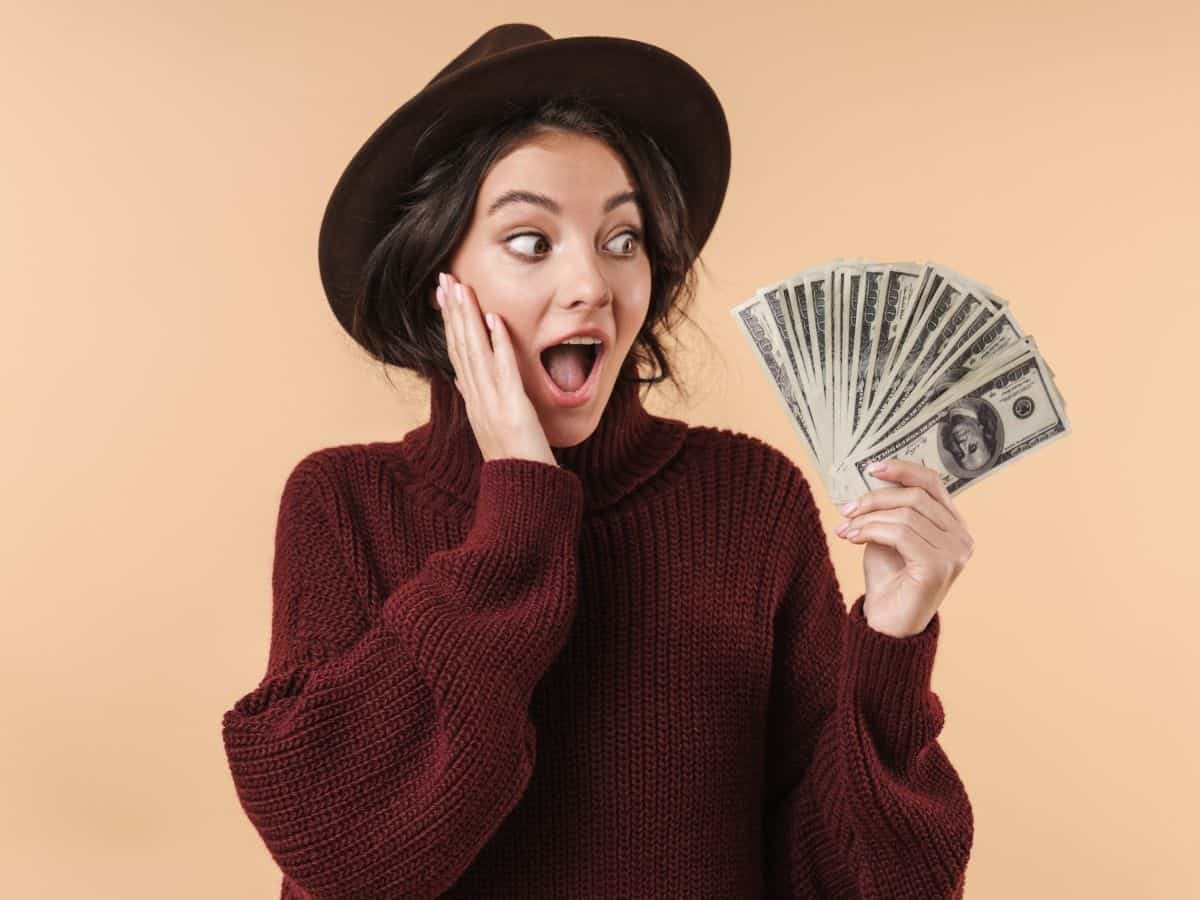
(493,41)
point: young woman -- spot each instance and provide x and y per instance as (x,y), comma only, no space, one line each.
(549,644)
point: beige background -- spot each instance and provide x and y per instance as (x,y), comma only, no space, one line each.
(169,357)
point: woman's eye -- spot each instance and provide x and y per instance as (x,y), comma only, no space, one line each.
(634,235)
(528,234)
(534,238)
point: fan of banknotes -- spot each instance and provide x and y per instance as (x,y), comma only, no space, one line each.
(877,360)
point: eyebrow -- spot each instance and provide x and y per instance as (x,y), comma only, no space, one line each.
(520,196)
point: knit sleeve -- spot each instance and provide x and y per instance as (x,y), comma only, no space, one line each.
(861,801)
(376,761)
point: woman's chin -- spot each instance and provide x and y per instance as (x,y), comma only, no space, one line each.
(568,426)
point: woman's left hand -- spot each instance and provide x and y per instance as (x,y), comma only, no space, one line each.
(917,544)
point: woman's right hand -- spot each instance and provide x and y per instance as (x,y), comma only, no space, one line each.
(488,377)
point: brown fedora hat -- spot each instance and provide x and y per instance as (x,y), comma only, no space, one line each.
(505,68)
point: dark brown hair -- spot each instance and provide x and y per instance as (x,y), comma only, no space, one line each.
(392,316)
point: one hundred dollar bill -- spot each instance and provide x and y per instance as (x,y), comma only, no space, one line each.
(974,430)
(873,359)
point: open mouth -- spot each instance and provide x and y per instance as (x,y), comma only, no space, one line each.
(571,369)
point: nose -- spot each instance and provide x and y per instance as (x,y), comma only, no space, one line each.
(585,283)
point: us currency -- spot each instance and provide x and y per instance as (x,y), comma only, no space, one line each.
(783,317)
(815,283)
(847,282)
(911,344)
(862,352)
(957,315)
(989,347)
(901,283)
(973,431)
(799,299)
(755,319)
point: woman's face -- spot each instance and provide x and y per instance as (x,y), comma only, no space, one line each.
(550,268)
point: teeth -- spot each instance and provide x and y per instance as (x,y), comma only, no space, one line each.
(583,339)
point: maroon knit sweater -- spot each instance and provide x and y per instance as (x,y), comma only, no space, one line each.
(629,675)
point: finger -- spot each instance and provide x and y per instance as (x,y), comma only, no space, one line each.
(465,380)
(910,545)
(908,472)
(508,372)
(479,350)
(916,497)
(477,337)
(444,302)
(465,364)
(907,517)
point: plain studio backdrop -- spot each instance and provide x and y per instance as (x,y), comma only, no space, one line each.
(169,356)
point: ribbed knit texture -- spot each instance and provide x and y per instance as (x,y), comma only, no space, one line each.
(629,675)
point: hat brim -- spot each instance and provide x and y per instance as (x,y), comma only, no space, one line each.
(640,82)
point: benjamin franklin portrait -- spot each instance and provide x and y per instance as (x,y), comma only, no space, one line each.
(970,437)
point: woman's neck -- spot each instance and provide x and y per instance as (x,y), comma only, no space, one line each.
(628,445)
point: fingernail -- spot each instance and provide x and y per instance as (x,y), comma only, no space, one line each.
(843,527)
(849,507)
(490,323)
(442,279)
(458,292)
(876,468)
(441,298)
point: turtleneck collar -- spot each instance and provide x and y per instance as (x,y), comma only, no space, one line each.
(628,446)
